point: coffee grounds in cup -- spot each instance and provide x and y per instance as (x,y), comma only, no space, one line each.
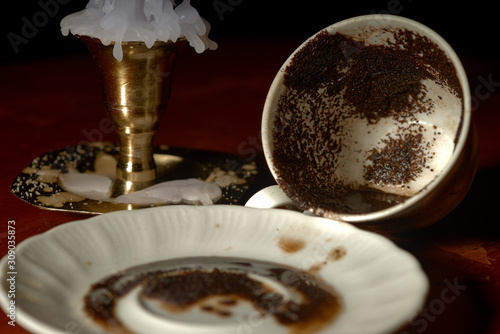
(371,82)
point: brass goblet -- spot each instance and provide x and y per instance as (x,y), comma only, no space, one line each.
(135,91)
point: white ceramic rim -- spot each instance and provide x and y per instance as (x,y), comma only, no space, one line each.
(274,90)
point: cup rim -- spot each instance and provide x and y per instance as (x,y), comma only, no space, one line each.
(274,93)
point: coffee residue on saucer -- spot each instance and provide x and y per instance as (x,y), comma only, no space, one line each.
(309,305)
(291,245)
(334,79)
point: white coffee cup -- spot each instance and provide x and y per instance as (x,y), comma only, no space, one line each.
(390,170)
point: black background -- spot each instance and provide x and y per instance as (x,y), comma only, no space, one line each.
(471,27)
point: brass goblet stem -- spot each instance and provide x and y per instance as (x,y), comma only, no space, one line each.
(135,90)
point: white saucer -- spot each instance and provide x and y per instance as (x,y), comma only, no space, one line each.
(381,287)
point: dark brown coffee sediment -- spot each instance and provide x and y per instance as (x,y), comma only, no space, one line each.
(372,82)
(217,289)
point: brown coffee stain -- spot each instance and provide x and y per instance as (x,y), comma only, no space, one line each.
(291,245)
(336,254)
(333,255)
(469,247)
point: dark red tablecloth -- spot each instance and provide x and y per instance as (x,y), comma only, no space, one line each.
(216,104)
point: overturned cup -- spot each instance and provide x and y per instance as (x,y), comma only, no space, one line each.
(369,121)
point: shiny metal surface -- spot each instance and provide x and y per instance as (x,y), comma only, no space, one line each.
(135,91)
(38,184)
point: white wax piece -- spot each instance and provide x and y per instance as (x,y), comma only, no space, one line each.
(139,20)
(97,187)
(89,185)
(173,192)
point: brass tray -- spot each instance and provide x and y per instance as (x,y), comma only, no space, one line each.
(38,184)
